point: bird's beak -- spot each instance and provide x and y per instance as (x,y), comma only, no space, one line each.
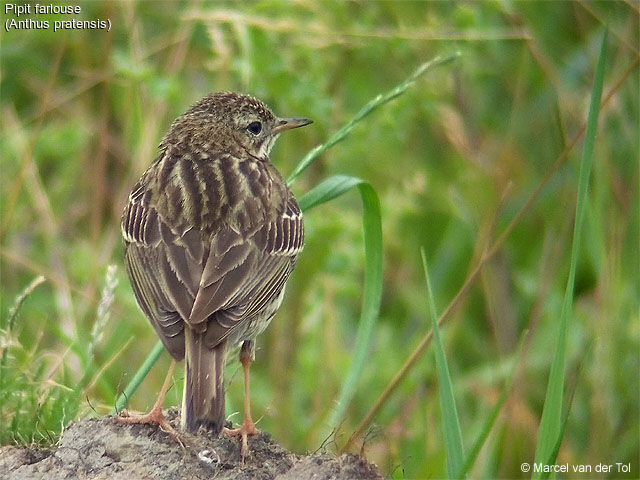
(289,123)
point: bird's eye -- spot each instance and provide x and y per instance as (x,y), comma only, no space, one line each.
(255,127)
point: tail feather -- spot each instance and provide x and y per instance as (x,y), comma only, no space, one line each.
(203,395)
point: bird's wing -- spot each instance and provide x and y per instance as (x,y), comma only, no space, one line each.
(163,279)
(244,274)
(184,274)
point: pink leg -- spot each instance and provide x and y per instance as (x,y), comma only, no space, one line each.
(248,427)
(155,415)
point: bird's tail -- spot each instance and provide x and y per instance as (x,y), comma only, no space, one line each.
(203,395)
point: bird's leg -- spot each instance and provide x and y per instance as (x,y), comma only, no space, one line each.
(248,427)
(155,415)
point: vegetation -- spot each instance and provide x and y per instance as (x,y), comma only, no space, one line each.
(481,162)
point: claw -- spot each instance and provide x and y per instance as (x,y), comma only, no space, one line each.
(247,428)
(155,415)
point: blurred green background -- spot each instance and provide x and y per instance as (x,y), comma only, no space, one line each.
(453,159)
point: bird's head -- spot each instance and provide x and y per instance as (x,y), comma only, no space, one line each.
(223,117)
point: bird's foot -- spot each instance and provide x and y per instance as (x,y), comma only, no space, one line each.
(154,416)
(247,428)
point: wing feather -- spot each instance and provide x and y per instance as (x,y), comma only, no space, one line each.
(165,320)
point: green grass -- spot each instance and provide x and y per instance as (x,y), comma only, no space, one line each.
(551,424)
(450,421)
(476,161)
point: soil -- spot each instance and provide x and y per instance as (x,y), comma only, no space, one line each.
(101,448)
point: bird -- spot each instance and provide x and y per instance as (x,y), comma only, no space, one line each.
(211,234)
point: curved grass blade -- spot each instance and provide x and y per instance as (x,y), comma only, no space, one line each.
(373,104)
(450,421)
(328,190)
(551,431)
(372,224)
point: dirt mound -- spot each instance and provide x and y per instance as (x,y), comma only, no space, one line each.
(100,448)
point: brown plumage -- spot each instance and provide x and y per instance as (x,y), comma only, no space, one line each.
(211,234)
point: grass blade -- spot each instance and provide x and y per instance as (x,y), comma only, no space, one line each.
(328,190)
(372,224)
(373,104)
(550,431)
(137,379)
(13,312)
(556,447)
(450,421)
(5,336)
(493,415)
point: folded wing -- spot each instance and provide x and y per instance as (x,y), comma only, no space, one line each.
(214,282)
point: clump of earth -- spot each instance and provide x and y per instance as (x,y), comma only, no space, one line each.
(101,448)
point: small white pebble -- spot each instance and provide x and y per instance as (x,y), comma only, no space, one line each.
(209,457)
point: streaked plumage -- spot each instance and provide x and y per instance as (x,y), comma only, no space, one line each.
(211,234)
